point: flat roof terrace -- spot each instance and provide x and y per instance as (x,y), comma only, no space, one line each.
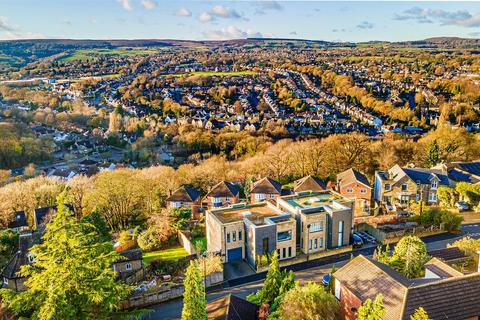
(313,200)
(255,213)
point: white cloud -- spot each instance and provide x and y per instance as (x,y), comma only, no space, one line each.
(224,12)
(126,4)
(183,12)
(4,25)
(205,17)
(231,32)
(461,18)
(149,4)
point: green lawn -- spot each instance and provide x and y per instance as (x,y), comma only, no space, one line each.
(171,254)
(213,73)
(85,54)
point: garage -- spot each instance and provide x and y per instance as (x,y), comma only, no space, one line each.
(234,254)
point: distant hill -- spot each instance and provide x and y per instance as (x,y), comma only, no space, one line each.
(444,42)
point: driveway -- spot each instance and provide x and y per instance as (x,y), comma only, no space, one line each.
(236,269)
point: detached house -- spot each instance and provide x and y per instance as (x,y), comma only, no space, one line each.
(443,292)
(462,171)
(308,183)
(245,232)
(186,197)
(324,219)
(265,189)
(354,185)
(398,187)
(222,194)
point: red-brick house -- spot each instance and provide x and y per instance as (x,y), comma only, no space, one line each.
(186,197)
(265,189)
(309,183)
(444,292)
(222,194)
(354,185)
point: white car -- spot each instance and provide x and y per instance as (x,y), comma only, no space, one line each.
(462,206)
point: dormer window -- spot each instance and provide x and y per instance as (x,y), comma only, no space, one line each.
(434,184)
(128,266)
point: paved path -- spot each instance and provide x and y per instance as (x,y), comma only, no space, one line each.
(172,309)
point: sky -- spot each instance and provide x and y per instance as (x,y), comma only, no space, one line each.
(353,21)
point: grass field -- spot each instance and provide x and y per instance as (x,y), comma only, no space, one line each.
(171,254)
(217,74)
(85,54)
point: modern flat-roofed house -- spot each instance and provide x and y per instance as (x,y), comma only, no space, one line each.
(244,231)
(398,187)
(324,219)
(265,189)
(222,194)
(354,185)
(444,292)
(186,197)
(309,183)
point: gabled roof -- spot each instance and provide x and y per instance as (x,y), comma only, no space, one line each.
(267,185)
(131,254)
(224,189)
(20,258)
(451,296)
(309,183)
(185,194)
(470,167)
(448,254)
(231,307)
(366,278)
(40,215)
(352,175)
(417,175)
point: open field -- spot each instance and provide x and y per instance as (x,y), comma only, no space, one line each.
(171,254)
(85,54)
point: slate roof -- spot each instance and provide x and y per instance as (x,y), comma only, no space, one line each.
(40,215)
(19,221)
(131,254)
(185,194)
(470,167)
(352,175)
(231,307)
(224,189)
(267,185)
(309,183)
(424,176)
(448,254)
(461,176)
(453,296)
(20,258)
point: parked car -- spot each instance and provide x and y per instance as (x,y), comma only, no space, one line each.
(357,241)
(366,237)
(462,206)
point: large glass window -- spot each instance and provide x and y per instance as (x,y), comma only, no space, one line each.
(284,235)
(317,226)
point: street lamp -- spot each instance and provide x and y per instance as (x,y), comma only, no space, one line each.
(308,241)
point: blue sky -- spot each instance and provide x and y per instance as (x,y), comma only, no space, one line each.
(199,19)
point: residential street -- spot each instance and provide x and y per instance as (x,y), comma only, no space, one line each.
(172,309)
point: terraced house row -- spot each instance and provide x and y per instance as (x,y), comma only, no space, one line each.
(309,221)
